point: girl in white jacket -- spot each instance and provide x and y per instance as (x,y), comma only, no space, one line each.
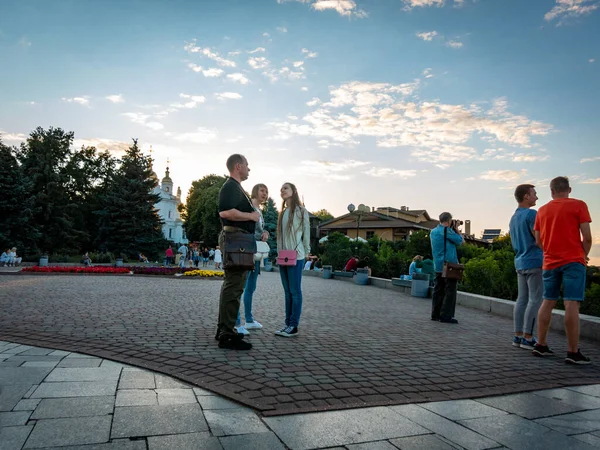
(293,233)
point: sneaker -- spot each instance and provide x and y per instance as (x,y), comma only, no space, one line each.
(542,350)
(448,320)
(242,330)
(516,341)
(278,332)
(289,332)
(234,343)
(577,358)
(528,344)
(253,325)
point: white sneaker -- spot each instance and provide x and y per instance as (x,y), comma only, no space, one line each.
(253,325)
(242,330)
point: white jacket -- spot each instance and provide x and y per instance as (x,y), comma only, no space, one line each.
(299,238)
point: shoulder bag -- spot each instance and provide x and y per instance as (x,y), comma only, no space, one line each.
(239,246)
(288,257)
(451,270)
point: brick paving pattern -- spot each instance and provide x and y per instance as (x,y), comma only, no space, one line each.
(358,346)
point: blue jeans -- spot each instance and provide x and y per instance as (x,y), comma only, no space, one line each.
(572,278)
(291,279)
(529,300)
(248,293)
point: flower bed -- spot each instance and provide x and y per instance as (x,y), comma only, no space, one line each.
(204,273)
(143,270)
(75,269)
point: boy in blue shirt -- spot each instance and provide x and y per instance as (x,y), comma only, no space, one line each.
(528,264)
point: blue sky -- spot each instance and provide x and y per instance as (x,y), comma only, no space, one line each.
(433,104)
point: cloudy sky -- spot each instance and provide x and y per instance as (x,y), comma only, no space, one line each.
(432,104)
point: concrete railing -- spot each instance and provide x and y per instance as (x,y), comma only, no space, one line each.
(589,326)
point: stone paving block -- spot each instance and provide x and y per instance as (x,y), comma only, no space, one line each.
(175,396)
(227,422)
(71,431)
(23,375)
(136,397)
(578,399)
(163,382)
(202,392)
(12,419)
(75,389)
(135,421)
(521,434)
(444,427)
(11,395)
(59,353)
(574,423)
(101,374)
(588,438)
(191,441)
(461,409)
(116,444)
(79,362)
(592,389)
(37,351)
(50,364)
(31,390)
(307,431)
(28,404)
(17,349)
(427,441)
(377,445)
(214,402)
(81,355)
(529,405)
(55,408)
(13,438)
(24,359)
(254,441)
(137,380)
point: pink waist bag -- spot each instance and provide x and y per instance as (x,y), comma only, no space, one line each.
(287,258)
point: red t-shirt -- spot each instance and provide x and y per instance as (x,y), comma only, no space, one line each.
(558,223)
(169,252)
(352,264)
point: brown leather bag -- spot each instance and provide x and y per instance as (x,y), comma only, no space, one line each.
(239,250)
(451,270)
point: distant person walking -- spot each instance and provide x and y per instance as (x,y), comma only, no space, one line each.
(260,194)
(444,240)
(562,230)
(237,215)
(183,251)
(218,258)
(293,233)
(168,256)
(528,264)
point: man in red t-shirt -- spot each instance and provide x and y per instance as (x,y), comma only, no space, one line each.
(352,264)
(562,230)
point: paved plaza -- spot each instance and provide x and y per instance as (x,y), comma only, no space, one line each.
(382,375)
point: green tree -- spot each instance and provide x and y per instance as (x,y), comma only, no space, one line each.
(128,221)
(17,228)
(324,215)
(201,213)
(419,244)
(270,216)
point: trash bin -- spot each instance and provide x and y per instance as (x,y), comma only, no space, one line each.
(327,272)
(419,286)
(268,265)
(43,261)
(362,277)
(119,262)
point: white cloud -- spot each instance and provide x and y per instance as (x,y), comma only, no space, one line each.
(194,98)
(265,34)
(503,175)
(228,96)
(234,53)
(593,158)
(154,125)
(346,8)
(142,119)
(410,4)
(209,73)
(206,51)
(505,155)
(564,10)
(192,102)
(282,29)
(24,42)
(258,62)
(12,137)
(238,78)
(591,181)
(591,60)
(286,72)
(330,171)
(309,54)
(435,132)
(110,145)
(427,73)
(298,63)
(454,44)
(258,50)
(428,35)
(200,136)
(304,88)
(387,172)
(84,100)
(117,98)
(314,102)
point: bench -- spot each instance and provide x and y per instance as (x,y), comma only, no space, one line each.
(342,274)
(399,282)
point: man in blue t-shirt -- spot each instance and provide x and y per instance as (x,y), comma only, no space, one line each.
(528,263)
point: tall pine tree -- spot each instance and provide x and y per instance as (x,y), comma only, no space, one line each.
(17,228)
(128,221)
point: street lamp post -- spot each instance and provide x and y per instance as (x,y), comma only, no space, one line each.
(360,211)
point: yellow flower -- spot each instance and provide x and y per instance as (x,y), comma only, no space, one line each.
(204,273)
